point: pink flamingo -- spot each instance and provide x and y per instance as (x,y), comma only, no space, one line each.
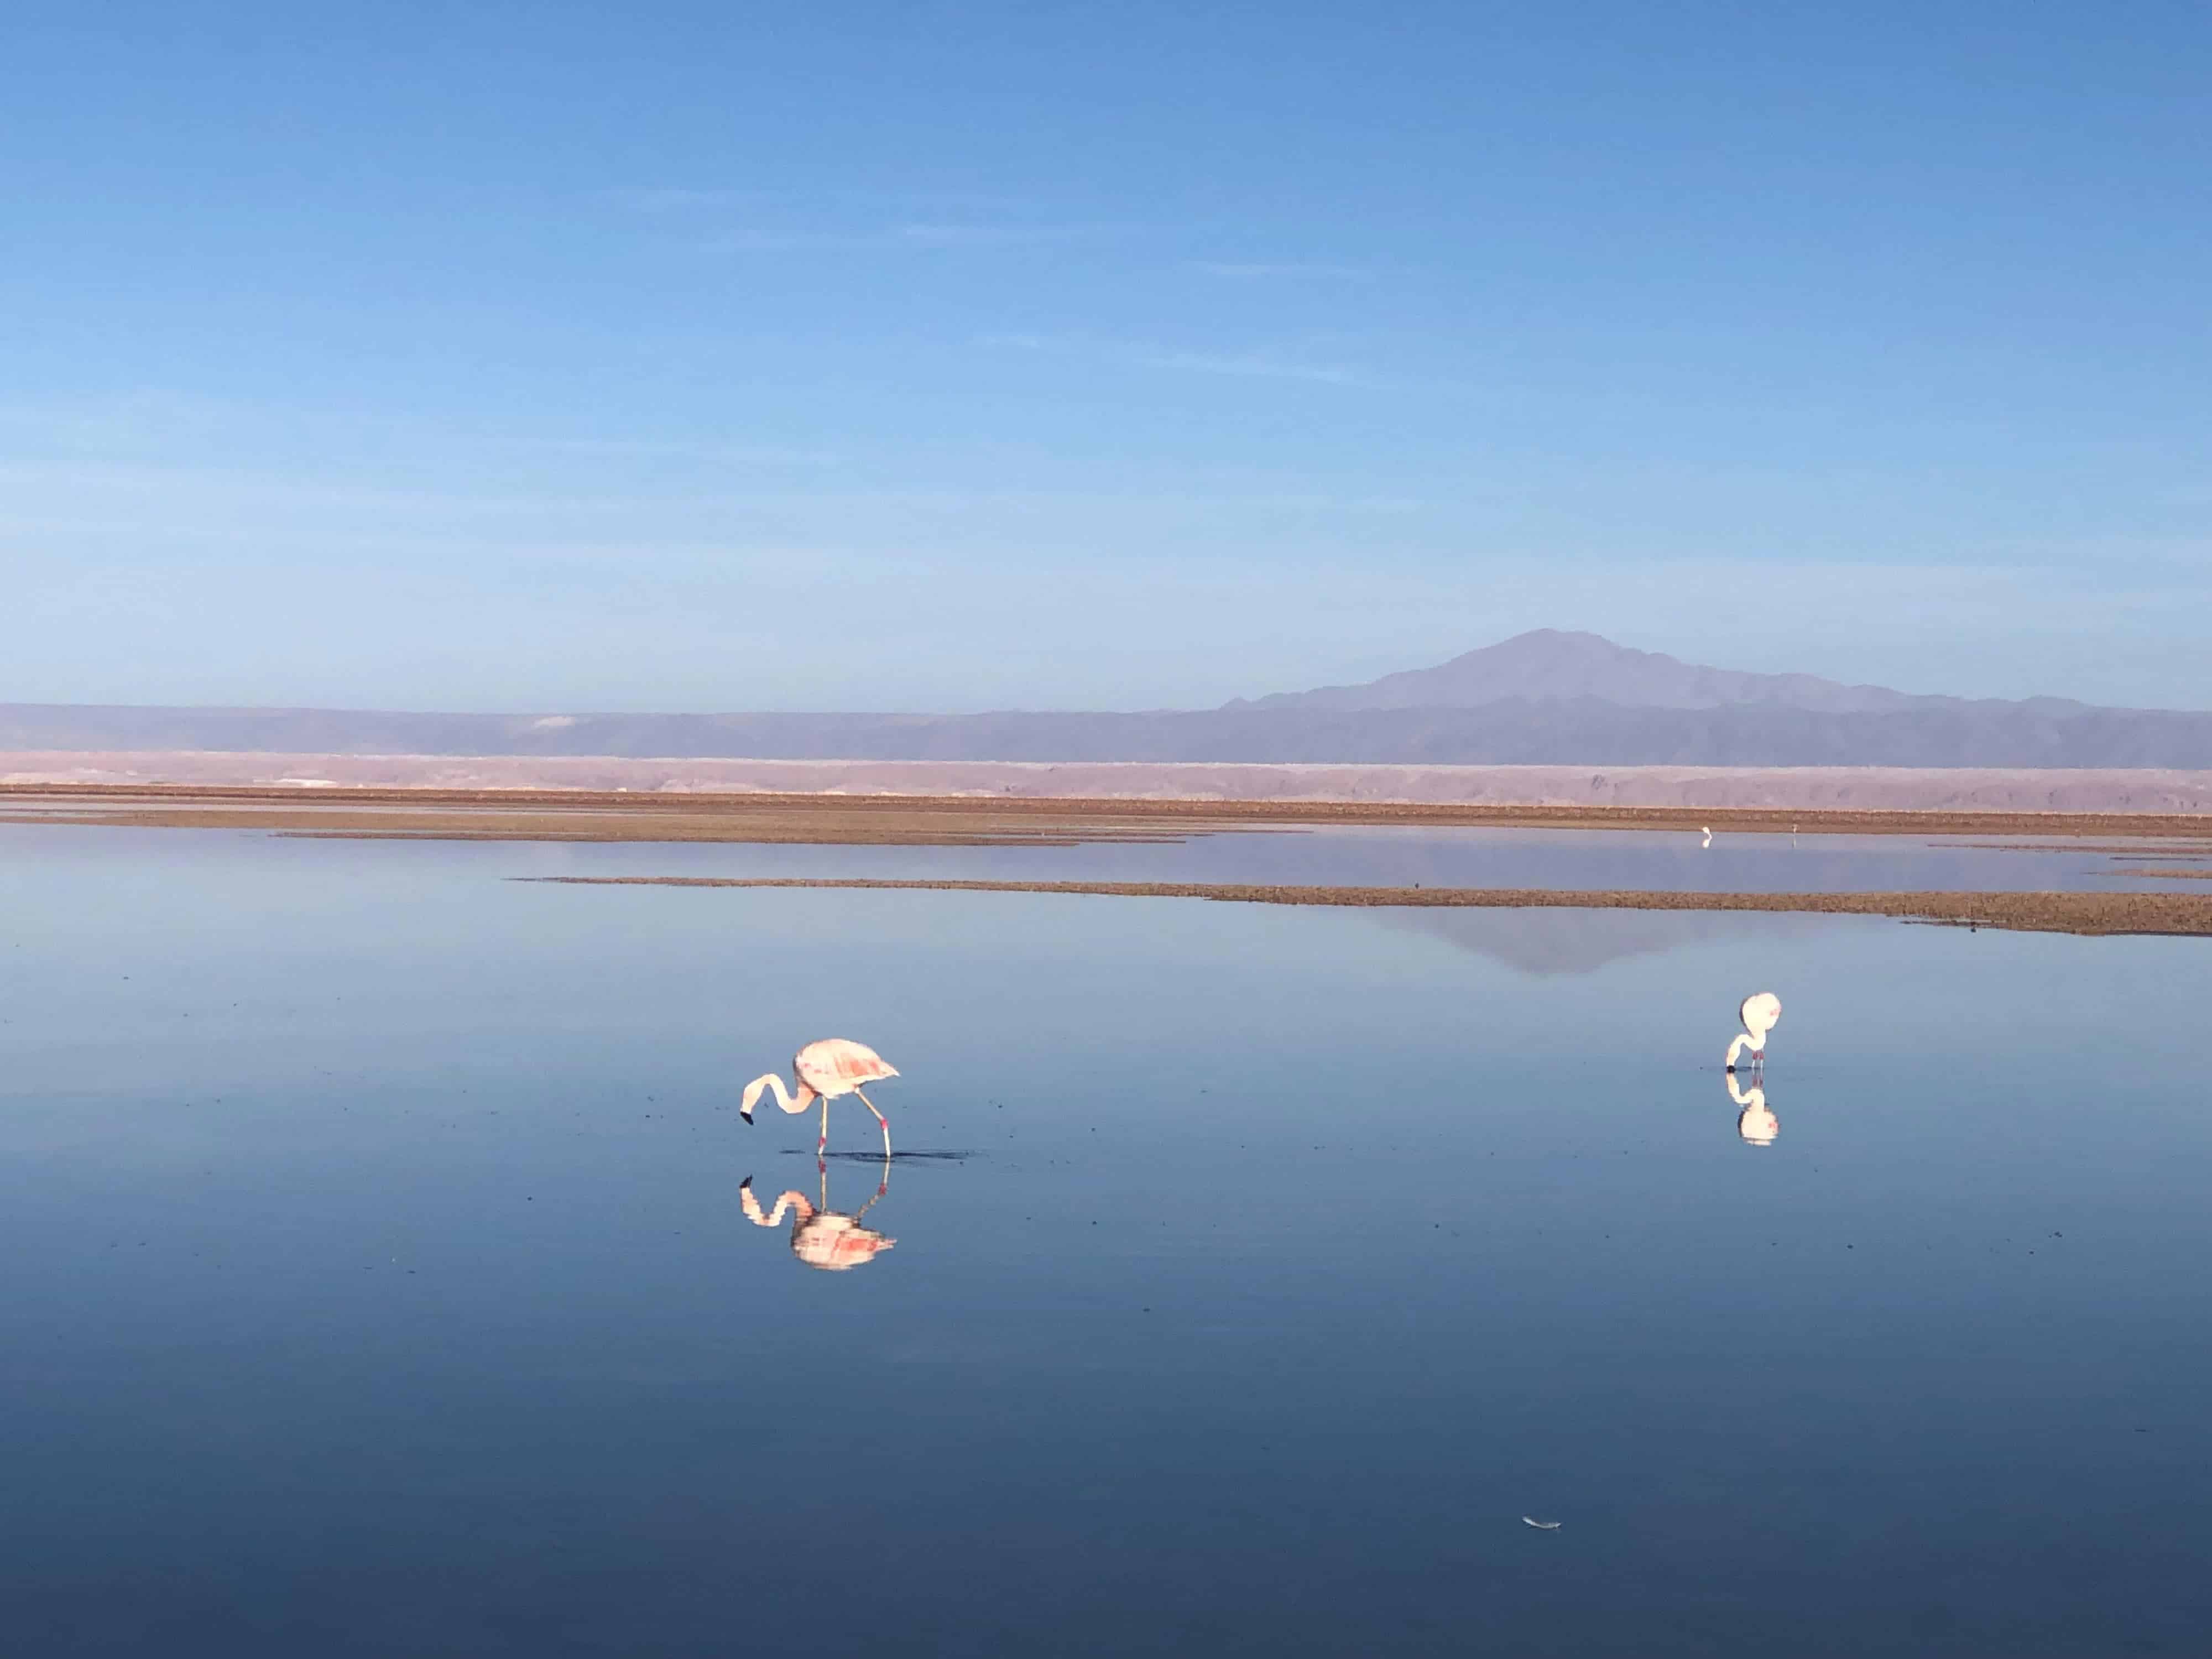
(821,1237)
(831,1067)
(1758,1013)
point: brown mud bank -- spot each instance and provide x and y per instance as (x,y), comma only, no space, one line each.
(2035,913)
(2129,791)
(946,820)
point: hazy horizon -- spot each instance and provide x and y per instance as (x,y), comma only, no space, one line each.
(1134,704)
(871,358)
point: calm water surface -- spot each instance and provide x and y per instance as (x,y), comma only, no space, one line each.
(1404,856)
(381,1281)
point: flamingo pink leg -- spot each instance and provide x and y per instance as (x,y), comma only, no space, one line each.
(824,1140)
(881,1120)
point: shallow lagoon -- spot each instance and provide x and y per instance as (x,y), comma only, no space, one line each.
(1368,855)
(381,1284)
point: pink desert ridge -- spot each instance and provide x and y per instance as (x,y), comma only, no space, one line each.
(1868,788)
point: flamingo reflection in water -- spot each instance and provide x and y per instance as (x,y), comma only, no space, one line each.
(821,1237)
(831,1067)
(1755,1123)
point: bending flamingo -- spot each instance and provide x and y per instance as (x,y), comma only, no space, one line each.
(831,1067)
(1759,1014)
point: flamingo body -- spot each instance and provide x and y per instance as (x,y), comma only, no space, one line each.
(839,1066)
(1759,1014)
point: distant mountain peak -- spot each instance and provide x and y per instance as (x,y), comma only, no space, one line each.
(1550,665)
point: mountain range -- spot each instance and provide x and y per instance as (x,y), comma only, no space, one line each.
(1545,697)
(1547,665)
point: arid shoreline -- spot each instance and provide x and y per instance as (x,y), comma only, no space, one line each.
(2122,791)
(946,820)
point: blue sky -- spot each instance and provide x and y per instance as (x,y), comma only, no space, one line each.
(923,357)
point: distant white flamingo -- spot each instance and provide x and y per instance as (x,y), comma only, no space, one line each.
(1708,840)
(821,1237)
(1759,1014)
(831,1067)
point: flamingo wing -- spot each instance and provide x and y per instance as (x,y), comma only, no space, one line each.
(837,1065)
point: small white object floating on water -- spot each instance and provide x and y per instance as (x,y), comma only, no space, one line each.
(1708,840)
(1540,1526)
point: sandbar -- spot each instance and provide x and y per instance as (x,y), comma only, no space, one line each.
(2035,913)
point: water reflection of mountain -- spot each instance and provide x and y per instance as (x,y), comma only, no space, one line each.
(1547,942)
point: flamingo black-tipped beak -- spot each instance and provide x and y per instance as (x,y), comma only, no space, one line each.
(745,1114)
(745,1185)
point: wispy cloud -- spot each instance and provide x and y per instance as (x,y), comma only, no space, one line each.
(704,450)
(981,235)
(119,419)
(1256,367)
(687,199)
(1248,365)
(187,428)
(1284,270)
(674,198)
(754,220)
(918,236)
(190,502)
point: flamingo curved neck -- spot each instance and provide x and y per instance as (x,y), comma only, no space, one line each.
(784,1097)
(1744,1040)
